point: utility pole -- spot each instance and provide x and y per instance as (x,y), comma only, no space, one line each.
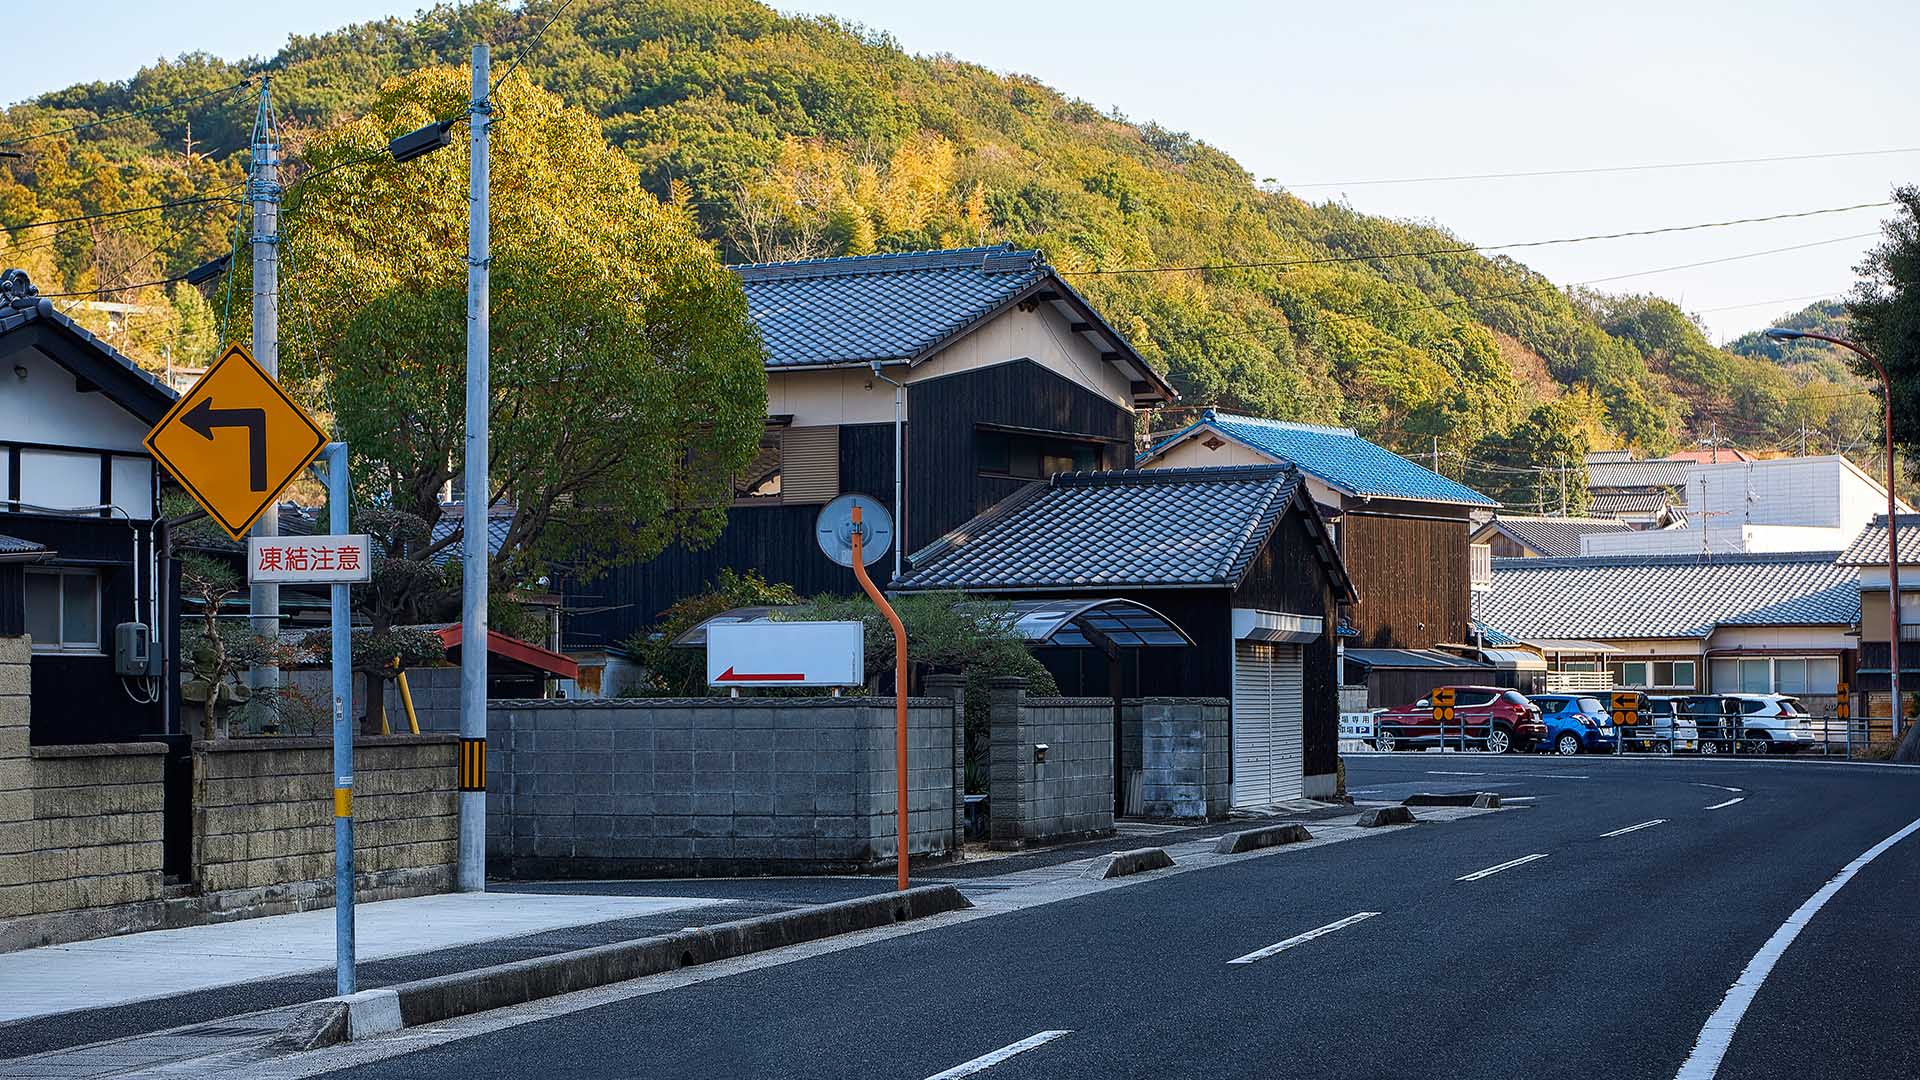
(475,502)
(1436,452)
(263,192)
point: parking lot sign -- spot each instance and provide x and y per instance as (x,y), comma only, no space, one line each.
(1443,705)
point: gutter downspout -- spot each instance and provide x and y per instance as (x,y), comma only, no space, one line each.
(899,507)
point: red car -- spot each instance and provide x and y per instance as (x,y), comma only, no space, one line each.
(1494,718)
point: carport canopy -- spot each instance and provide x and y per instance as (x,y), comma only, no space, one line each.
(1105,624)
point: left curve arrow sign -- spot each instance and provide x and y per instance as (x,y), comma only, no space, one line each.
(203,418)
(731,675)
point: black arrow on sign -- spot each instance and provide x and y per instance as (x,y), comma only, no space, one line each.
(203,418)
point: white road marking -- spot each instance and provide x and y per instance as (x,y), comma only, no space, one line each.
(1722,787)
(1297,939)
(988,1061)
(1635,828)
(1492,870)
(1729,802)
(1441,772)
(1503,798)
(1717,1035)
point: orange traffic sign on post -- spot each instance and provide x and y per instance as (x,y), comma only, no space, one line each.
(1443,704)
(236,440)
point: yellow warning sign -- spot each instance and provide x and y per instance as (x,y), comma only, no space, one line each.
(236,440)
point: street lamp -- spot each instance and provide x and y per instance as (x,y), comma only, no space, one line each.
(1779,333)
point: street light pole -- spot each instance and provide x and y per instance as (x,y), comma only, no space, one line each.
(1893,515)
(474,531)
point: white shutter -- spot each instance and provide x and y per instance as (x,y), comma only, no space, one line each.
(1289,725)
(1252,724)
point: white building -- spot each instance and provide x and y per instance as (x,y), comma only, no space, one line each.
(1780,505)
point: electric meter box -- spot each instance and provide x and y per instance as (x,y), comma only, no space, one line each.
(133,650)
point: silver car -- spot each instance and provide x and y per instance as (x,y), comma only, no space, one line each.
(1663,727)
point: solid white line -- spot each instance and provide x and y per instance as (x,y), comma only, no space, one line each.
(1717,1035)
(1513,798)
(1635,828)
(988,1061)
(1492,870)
(1448,772)
(1283,946)
(1722,787)
(1729,802)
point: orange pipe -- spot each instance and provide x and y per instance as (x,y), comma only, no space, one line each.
(899,696)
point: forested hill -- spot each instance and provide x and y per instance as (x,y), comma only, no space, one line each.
(793,137)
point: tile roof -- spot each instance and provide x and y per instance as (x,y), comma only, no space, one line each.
(1657,473)
(1554,536)
(1629,502)
(12,547)
(1870,547)
(1335,455)
(1134,528)
(1666,596)
(17,311)
(880,307)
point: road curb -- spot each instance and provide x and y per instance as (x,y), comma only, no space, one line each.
(426,1001)
(1234,843)
(1482,800)
(1123,863)
(1385,815)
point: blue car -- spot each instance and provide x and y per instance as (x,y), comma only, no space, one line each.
(1576,723)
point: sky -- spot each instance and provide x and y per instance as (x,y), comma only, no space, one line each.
(1321,96)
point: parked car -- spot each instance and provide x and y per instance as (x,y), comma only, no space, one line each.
(1491,717)
(1576,723)
(1663,728)
(1774,723)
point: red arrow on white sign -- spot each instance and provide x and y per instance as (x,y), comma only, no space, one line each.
(731,675)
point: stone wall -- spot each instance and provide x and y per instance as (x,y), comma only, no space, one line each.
(1182,748)
(1068,795)
(263,818)
(713,785)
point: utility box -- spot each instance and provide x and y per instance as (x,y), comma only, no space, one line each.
(132,650)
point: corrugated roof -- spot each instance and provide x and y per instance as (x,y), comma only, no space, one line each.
(12,547)
(1337,456)
(1133,528)
(1870,547)
(1657,473)
(1673,596)
(1554,536)
(1413,658)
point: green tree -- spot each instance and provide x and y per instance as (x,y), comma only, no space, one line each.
(626,375)
(1540,464)
(1885,314)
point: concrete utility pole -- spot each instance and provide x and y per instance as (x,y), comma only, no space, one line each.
(473,556)
(263,192)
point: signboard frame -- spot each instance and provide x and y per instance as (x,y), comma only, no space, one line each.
(802,653)
(311,573)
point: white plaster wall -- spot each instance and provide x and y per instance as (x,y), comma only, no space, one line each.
(44,408)
(831,397)
(1192,453)
(1814,639)
(1041,335)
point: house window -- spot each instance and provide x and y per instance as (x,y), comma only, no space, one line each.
(760,480)
(1655,674)
(1032,457)
(63,610)
(793,465)
(1777,675)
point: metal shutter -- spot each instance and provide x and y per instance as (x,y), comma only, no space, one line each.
(1252,724)
(1268,724)
(810,465)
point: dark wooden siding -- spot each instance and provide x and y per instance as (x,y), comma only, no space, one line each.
(13,577)
(1287,576)
(944,487)
(1412,576)
(1506,547)
(774,541)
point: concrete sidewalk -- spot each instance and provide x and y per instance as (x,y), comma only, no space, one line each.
(163,963)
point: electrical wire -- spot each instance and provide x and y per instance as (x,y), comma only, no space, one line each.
(1466,249)
(100,215)
(164,106)
(529,43)
(1723,162)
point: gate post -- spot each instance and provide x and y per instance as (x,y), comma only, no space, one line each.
(1008,768)
(954,688)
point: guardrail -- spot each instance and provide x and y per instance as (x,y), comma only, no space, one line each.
(1829,736)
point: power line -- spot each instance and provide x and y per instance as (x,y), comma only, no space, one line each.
(99,215)
(113,289)
(53,239)
(1604,169)
(531,40)
(1467,249)
(117,117)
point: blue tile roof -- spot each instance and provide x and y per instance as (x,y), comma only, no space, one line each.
(1334,455)
(880,307)
(1132,528)
(1666,596)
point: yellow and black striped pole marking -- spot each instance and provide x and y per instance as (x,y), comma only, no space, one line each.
(473,764)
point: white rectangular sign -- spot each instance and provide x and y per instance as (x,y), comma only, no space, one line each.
(786,654)
(304,560)
(1356,725)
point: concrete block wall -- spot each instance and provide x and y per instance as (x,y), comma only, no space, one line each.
(16,778)
(713,785)
(1067,796)
(263,817)
(1184,754)
(97,826)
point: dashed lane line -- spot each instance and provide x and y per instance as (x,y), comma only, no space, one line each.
(987,1061)
(1301,939)
(1722,787)
(1708,1051)
(1634,828)
(1729,802)
(1508,865)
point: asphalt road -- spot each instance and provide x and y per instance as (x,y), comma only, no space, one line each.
(1601,956)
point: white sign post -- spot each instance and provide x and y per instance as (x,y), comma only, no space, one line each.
(330,560)
(786,654)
